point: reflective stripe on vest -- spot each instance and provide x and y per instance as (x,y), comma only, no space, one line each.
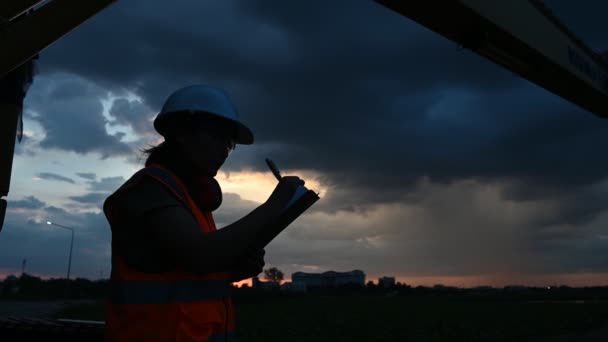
(170,306)
(168,180)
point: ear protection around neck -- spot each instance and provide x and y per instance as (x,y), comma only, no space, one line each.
(206,193)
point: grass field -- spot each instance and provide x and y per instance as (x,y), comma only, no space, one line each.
(400,318)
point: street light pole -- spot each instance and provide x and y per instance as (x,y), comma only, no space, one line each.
(67,285)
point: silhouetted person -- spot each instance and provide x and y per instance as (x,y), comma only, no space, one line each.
(171,268)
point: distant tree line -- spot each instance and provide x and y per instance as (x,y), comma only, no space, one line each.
(484,293)
(32,287)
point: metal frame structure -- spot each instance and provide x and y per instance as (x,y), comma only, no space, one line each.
(26,28)
(24,36)
(523,36)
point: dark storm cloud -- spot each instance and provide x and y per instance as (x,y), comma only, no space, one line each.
(364,96)
(133,114)
(576,209)
(70,111)
(29,202)
(87,175)
(263,57)
(54,177)
(99,191)
(233,208)
(106,184)
(96,198)
(56,211)
(465,228)
(343,83)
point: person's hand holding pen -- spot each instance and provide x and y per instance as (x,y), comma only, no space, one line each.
(286,188)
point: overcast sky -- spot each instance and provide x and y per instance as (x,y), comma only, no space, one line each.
(434,165)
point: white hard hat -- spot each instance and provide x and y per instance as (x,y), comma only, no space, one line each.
(201,100)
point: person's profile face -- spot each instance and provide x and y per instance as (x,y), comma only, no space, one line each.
(208,144)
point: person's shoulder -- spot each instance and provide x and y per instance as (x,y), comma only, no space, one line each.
(143,195)
(148,187)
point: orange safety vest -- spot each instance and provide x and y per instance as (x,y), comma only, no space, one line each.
(168,306)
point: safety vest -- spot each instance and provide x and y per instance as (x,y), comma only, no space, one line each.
(166,306)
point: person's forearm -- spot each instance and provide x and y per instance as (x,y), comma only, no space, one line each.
(235,240)
(177,230)
(177,233)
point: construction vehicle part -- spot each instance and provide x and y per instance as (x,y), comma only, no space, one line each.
(523,36)
(26,28)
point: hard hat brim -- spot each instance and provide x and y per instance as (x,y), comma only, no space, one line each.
(244,135)
(164,123)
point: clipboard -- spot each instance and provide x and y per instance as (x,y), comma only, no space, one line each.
(302,200)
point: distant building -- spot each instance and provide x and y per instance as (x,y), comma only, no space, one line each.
(329,279)
(386,282)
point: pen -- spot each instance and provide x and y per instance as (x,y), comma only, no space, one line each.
(273,168)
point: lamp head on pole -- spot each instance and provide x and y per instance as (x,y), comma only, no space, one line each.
(49,222)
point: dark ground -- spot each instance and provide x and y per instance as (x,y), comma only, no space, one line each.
(406,318)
